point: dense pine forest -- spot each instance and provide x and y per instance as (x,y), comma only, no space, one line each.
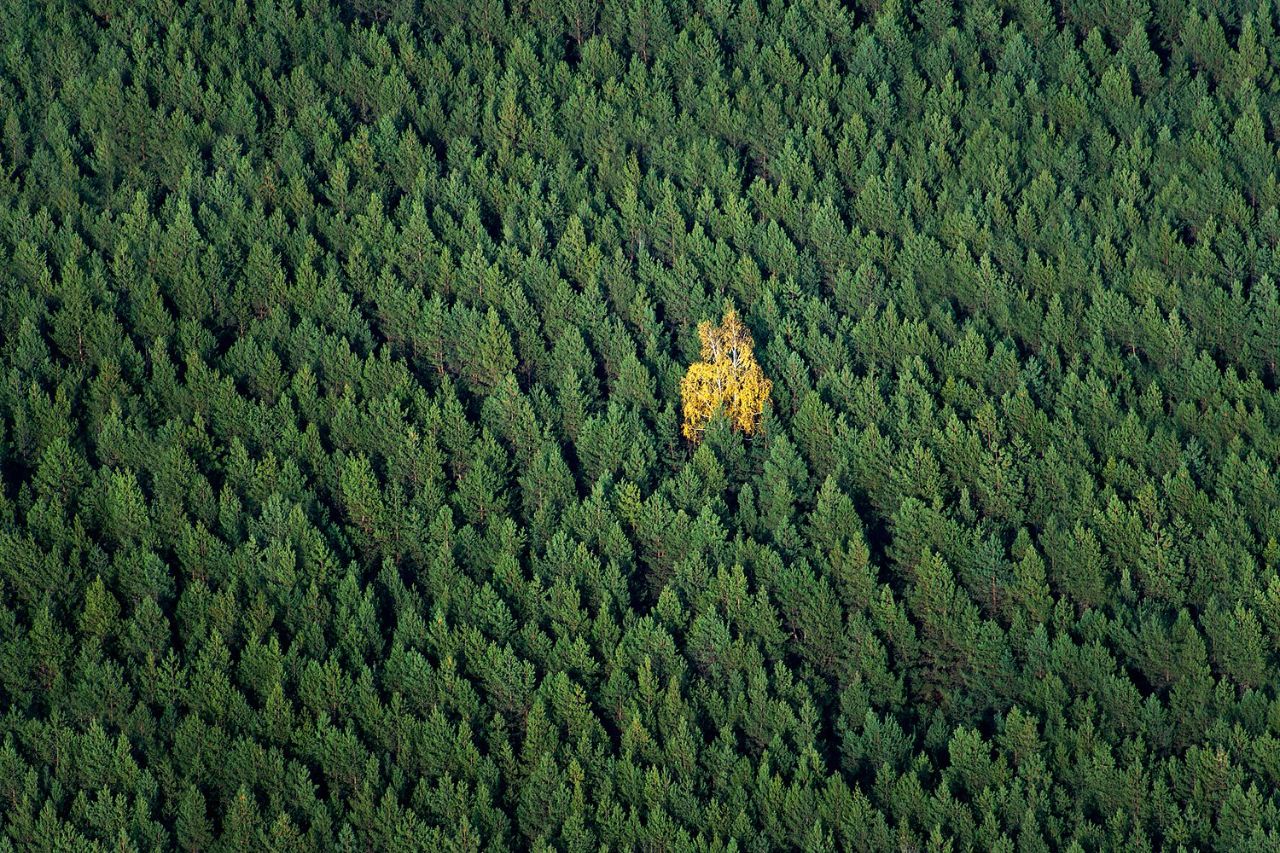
(368,479)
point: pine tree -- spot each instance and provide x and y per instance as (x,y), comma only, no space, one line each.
(482,349)
(101,610)
(191,823)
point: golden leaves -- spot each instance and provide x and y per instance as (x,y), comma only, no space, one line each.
(728,378)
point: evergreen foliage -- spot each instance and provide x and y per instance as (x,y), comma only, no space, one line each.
(345,497)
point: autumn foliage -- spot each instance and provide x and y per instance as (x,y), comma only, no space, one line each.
(727,378)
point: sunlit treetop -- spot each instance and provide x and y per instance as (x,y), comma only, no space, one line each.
(728,379)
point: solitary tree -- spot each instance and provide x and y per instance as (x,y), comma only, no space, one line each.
(727,378)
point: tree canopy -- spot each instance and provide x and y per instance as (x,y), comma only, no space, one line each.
(347,499)
(727,380)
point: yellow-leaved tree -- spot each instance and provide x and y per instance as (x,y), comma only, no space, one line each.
(728,378)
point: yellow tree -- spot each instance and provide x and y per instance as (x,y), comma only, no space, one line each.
(728,379)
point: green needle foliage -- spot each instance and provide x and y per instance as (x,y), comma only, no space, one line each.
(344,500)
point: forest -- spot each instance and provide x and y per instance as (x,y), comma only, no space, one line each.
(719,425)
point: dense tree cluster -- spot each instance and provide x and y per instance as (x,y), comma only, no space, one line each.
(345,502)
